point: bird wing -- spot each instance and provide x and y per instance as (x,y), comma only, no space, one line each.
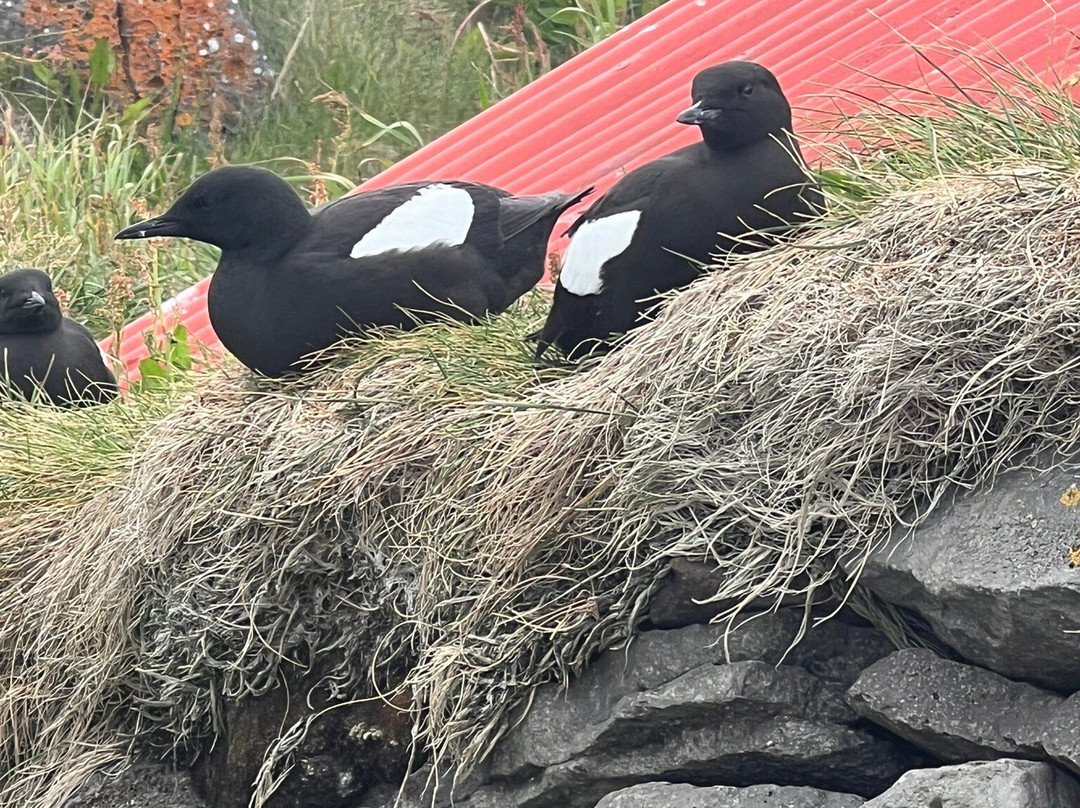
(411,217)
(85,354)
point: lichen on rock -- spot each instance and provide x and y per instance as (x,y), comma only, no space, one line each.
(201,58)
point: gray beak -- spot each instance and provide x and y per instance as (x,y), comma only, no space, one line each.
(36,301)
(158,226)
(695,115)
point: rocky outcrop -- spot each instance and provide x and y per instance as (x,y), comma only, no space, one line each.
(699,705)
(994,784)
(959,712)
(1061,739)
(740,723)
(991,575)
(202,59)
(561,724)
(699,716)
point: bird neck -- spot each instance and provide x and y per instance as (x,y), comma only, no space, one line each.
(721,144)
(273,238)
(46,323)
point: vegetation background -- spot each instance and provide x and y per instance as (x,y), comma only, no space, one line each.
(360,84)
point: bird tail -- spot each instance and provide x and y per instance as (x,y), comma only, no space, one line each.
(518,214)
(526,223)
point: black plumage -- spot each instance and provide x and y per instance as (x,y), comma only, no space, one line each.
(43,352)
(697,204)
(290,282)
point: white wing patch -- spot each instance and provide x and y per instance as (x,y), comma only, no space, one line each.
(594,244)
(436,214)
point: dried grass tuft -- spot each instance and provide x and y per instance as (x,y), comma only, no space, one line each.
(433,513)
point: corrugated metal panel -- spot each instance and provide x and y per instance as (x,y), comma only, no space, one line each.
(613,107)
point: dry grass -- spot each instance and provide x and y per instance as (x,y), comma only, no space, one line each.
(435,514)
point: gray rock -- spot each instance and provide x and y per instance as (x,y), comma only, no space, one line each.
(989,573)
(684,596)
(681,795)
(737,724)
(678,600)
(698,704)
(955,711)
(1062,734)
(548,733)
(785,751)
(839,651)
(993,784)
(560,723)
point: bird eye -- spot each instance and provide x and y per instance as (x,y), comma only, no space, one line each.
(200,202)
(747,89)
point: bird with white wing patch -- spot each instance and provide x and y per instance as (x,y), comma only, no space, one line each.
(653,230)
(291,282)
(446,211)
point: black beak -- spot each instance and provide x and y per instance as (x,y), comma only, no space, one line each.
(34,302)
(696,116)
(158,226)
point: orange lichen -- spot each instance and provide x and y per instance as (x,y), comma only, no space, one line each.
(182,52)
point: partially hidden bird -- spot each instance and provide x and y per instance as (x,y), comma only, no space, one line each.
(45,355)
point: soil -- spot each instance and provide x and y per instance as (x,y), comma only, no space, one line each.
(144,785)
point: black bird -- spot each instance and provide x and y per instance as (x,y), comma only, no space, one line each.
(290,282)
(641,238)
(42,350)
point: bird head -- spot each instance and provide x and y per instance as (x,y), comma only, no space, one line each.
(233,207)
(736,103)
(27,303)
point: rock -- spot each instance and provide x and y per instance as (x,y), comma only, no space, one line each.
(955,711)
(674,707)
(696,705)
(990,574)
(994,784)
(202,58)
(683,597)
(1061,739)
(679,795)
(561,724)
(741,752)
(840,649)
(145,785)
(958,712)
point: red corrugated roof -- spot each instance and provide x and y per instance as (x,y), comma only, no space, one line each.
(613,107)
